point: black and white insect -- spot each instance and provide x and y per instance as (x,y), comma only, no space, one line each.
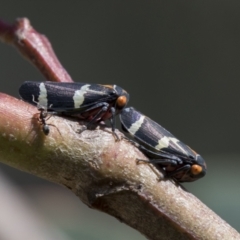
(176,159)
(90,102)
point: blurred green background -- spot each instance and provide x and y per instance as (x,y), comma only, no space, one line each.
(179,60)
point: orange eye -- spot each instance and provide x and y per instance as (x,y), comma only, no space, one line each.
(121,101)
(196,169)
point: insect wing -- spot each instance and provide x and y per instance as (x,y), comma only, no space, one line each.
(157,138)
(64,97)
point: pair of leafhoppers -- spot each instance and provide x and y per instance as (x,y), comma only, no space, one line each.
(95,103)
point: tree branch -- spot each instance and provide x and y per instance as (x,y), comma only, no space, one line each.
(102,172)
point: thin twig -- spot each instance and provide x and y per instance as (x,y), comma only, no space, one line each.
(35,47)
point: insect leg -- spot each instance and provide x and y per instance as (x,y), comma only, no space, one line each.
(184,168)
(113,122)
(164,157)
(104,108)
(168,157)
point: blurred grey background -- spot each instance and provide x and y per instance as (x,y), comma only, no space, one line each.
(179,60)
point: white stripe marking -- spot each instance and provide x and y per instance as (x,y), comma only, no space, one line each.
(78,97)
(135,126)
(42,99)
(164,143)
